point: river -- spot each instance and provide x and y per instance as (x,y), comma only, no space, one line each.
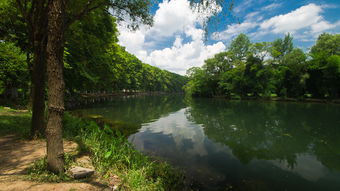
(235,145)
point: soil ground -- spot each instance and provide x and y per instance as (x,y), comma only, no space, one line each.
(17,155)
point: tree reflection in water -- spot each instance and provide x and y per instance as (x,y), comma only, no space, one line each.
(236,145)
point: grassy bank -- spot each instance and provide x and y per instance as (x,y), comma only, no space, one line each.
(110,152)
(14,121)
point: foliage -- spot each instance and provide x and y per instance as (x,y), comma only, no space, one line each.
(263,69)
(12,26)
(281,47)
(93,60)
(13,69)
(328,44)
(324,67)
(240,47)
(111,153)
(38,171)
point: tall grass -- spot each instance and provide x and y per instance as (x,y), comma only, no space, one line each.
(111,153)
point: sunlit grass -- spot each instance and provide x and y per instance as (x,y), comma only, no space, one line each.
(14,122)
(111,153)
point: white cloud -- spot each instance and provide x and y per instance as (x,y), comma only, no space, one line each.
(180,58)
(243,6)
(173,20)
(233,30)
(271,6)
(307,17)
(177,25)
(305,23)
(134,41)
(252,16)
(300,18)
(322,26)
(172,17)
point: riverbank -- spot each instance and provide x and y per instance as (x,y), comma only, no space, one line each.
(279,99)
(111,155)
(76,101)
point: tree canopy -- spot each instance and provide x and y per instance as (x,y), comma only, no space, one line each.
(94,61)
(263,69)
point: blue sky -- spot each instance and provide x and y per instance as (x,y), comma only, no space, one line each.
(176,40)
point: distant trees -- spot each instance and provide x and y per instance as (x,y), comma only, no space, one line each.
(52,32)
(14,73)
(264,68)
(95,62)
(324,68)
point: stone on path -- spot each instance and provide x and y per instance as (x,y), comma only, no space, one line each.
(80,172)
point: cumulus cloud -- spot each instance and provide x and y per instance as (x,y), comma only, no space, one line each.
(305,22)
(234,30)
(176,40)
(307,17)
(322,26)
(172,17)
(300,18)
(174,21)
(180,58)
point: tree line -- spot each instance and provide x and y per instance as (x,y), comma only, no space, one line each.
(45,43)
(93,60)
(266,69)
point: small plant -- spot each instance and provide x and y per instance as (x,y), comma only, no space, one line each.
(39,172)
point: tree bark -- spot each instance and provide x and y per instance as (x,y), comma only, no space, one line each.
(56,87)
(37,29)
(38,90)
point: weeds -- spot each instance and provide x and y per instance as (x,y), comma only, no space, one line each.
(39,172)
(109,149)
(111,153)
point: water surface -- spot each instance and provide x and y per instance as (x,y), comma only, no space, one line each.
(236,145)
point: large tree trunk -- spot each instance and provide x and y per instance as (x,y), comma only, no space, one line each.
(38,91)
(55,50)
(38,38)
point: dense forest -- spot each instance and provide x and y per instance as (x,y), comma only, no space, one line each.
(266,69)
(93,60)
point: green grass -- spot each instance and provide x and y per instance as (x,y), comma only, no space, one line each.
(14,122)
(108,148)
(111,153)
(38,171)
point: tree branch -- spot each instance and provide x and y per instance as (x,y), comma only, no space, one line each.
(90,6)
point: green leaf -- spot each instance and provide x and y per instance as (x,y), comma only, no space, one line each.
(108,154)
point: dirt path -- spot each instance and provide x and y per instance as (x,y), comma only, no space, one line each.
(16,155)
